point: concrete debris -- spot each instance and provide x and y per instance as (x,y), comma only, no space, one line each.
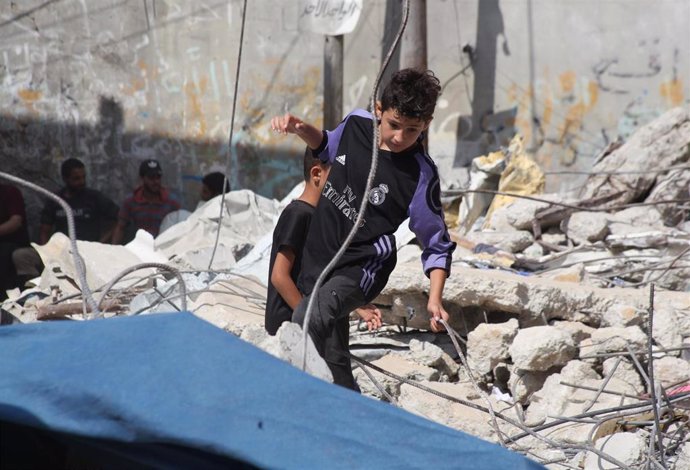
(624,370)
(488,344)
(288,345)
(613,339)
(246,218)
(661,144)
(540,348)
(670,371)
(554,295)
(584,227)
(399,366)
(626,447)
(513,242)
(456,415)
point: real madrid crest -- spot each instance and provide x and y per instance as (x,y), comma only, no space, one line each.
(378,195)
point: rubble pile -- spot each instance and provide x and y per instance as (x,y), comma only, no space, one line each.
(552,293)
(569,336)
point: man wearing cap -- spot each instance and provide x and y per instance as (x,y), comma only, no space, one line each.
(148,205)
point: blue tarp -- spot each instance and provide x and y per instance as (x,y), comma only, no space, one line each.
(171,389)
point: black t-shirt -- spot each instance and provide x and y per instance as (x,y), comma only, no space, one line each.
(291,231)
(406,185)
(93,213)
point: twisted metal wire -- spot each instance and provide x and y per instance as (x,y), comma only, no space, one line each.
(136,267)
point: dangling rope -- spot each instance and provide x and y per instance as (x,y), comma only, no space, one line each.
(370,182)
(232,127)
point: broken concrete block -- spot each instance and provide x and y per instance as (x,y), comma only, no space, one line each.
(254,334)
(428,354)
(644,217)
(102,262)
(626,447)
(540,348)
(563,395)
(672,185)
(613,339)
(513,241)
(665,328)
(587,227)
(397,365)
(625,371)
(523,383)
(622,315)
(577,330)
(488,343)
(575,273)
(288,345)
(535,250)
(520,213)
(671,370)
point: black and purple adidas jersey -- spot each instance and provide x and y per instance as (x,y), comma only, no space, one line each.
(406,185)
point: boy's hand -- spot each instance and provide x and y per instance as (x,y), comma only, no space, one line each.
(371,315)
(436,313)
(287,124)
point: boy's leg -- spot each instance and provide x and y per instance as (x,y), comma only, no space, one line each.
(329,324)
(337,355)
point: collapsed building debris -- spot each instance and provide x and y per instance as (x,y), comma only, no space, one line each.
(572,312)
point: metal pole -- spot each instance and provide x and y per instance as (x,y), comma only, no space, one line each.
(333,81)
(413,51)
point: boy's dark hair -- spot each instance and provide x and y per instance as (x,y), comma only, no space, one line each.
(214,182)
(412,93)
(69,165)
(309,161)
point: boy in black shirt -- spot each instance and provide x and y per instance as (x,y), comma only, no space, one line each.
(288,241)
(406,185)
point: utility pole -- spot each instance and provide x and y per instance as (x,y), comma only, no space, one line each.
(333,81)
(413,45)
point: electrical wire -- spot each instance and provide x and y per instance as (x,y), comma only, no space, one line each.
(231,132)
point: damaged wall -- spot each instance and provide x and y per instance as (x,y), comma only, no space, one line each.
(114,82)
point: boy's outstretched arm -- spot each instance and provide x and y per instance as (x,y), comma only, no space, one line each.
(435,303)
(281,279)
(289,124)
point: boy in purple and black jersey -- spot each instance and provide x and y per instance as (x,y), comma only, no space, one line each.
(406,185)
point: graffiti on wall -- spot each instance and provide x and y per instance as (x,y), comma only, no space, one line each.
(158,83)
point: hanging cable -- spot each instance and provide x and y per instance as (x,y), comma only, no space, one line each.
(232,127)
(78,260)
(370,181)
